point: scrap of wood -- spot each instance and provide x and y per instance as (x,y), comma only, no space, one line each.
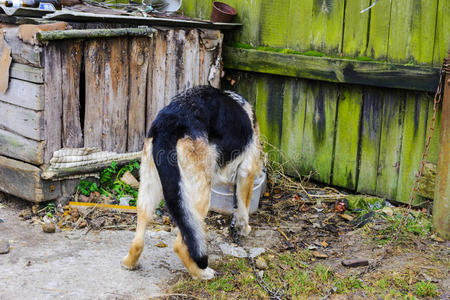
(5,62)
(27,32)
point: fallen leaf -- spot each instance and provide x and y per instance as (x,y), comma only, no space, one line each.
(437,239)
(276,196)
(324,244)
(161,245)
(346,217)
(319,254)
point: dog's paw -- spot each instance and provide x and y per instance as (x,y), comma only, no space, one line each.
(126,263)
(206,274)
(245,230)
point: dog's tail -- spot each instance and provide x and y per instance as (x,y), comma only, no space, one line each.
(179,200)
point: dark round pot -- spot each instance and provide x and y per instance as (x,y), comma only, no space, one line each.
(222,12)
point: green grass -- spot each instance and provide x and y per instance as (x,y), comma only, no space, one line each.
(426,289)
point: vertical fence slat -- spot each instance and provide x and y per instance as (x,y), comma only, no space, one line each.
(94,60)
(274,23)
(155,100)
(372,116)
(379,30)
(345,164)
(355,28)
(178,69)
(318,136)
(191,60)
(299,36)
(71,69)
(170,89)
(138,67)
(442,41)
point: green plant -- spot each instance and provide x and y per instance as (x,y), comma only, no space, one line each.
(426,289)
(87,187)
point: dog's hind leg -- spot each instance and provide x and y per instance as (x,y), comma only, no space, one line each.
(196,161)
(150,195)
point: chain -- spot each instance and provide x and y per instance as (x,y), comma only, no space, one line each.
(412,195)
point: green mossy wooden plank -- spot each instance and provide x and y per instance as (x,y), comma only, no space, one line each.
(413,142)
(332,69)
(377,45)
(319,130)
(246,86)
(356,28)
(248,13)
(203,9)
(390,143)
(294,106)
(189,8)
(442,40)
(299,36)
(345,163)
(372,115)
(269,110)
(412,31)
(433,152)
(274,23)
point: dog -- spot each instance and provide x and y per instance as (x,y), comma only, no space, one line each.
(203,137)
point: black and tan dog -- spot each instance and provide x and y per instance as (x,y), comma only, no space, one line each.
(204,136)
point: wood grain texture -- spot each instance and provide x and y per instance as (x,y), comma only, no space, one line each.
(140,51)
(345,163)
(21,52)
(171,89)
(26,73)
(26,122)
(274,23)
(25,94)
(23,180)
(377,45)
(191,59)
(442,40)
(372,115)
(176,68)
(356,27)
(95,55)
(18,147)
(53,101)
(156,101)
(318,136)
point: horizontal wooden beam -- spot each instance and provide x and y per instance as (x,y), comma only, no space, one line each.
(45,36)
(19,147)
(27,73)
(24,94)
(371,73)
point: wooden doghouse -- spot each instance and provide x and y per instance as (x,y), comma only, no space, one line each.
(92,88)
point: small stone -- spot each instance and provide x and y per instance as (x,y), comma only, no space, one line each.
(4,247)
(346,217)
(161,245)
(319,254)
(260,274)
(48,227)
(254,252)
(235,251)
(355,262)
(261,263)
(388,211)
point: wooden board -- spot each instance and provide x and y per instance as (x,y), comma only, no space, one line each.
(72,136)
(356,27)
(345,163)
(23,180)
(21,148)
(210,45)
(21,52)
(413,141)
(95,52)
(140,51)
(191,59)
(412,31)
(299,37)
(274,25)
(26,73)
(26,122)
(170,89)
(377,44)
(442,40)
(390,143)
(176,68)
(318,136)
(372,115)
(294,105)
(53,100)
(114,134)
(25,94)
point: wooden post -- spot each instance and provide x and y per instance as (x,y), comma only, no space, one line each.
(441,207)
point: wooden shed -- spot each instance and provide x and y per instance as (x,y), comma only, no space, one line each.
(97,85)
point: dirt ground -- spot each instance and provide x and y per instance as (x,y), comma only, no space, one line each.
(85,263)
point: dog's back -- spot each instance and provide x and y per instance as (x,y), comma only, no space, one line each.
(202,133)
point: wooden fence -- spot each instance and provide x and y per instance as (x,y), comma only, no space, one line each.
(344,94)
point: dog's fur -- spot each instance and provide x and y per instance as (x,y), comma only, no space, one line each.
(203,137)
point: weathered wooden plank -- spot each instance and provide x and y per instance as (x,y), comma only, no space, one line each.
(26,73)
(176,71)
(191,60)
(155,100)
(23,180)
(390,143)
(356,27)
(269,111)
(377,46)
(298,36)
(171,89)
(333,69)
(72,136)
(427,181)
(53,100)
(18,147)
(95,55)
(274,24)
(372,115)
(21,52)
(245,85)
(413,142)
(412,31)
(433,152)
(442,40)
(345,163)
(23,121)
(249,14)
(138,67)
(203,9)
(114,134)
(189,8)
(318,136)
(210,43)
(294,105)
(25,94)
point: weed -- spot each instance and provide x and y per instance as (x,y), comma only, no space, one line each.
(426,289)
